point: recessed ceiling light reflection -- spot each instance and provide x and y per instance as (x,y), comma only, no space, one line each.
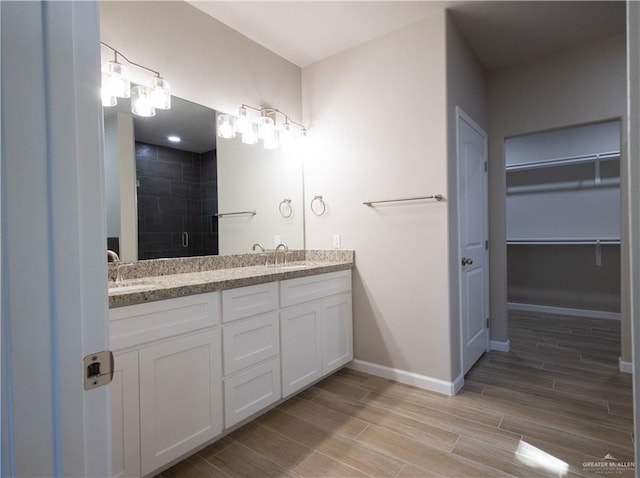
(174,139)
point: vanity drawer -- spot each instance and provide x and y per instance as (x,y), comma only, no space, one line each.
(141,323)
(247,301)
(251,390)
(306,289)
(247,342)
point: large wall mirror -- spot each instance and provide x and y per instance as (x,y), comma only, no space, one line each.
(197,196)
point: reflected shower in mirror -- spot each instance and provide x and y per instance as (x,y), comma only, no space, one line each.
(164,196)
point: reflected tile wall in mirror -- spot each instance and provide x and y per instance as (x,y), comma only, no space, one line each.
(177,196)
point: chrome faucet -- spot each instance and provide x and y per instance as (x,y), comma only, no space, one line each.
(257,245)
(113,256)
(286,249)
(116,260)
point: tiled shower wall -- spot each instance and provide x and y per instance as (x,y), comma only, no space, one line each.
(177,194)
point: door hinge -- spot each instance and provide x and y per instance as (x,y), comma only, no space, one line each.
(98,369)
(487,322)
(486,245)
(486,166)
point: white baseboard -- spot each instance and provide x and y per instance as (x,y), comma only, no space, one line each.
(458,383)
(408,378)
(546,309)
(625,367)
(500,346)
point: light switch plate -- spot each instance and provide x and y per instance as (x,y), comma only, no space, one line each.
(276,240)
(336,241)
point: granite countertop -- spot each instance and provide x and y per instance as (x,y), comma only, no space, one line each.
(152,288)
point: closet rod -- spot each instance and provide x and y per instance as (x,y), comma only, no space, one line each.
(563,161)
(564,186)
(562,242)
(437,197)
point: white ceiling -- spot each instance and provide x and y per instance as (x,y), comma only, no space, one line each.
(500,32)
(189,121)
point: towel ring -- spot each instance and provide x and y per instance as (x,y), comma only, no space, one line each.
(285,208)
(318,207)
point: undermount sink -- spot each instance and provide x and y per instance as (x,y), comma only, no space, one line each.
(130,287)
(289,267)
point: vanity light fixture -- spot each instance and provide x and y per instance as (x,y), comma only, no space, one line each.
(250,134)
(254,124)
(145,99)
(226,126)
(115,82)
(142,101)
(267,132)
(244,125)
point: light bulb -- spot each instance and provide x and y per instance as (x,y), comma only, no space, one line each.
(161,95)
(226,126)
(141,101)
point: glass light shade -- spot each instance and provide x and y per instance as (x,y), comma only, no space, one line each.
(107,98)
(243,122)
(142,101)
(266,128)
(115,80)
(250,135)
(161,93)
(287,137)
(271,141)
(226,126)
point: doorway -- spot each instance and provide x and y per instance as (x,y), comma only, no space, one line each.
(563,218)
(563,221)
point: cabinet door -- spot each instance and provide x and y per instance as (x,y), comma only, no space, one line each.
(301,341)
(337,336)
(180,397)
(125,416)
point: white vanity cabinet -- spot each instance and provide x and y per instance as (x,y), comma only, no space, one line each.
(189,368)
(251,350)
(166,398)
(316,324)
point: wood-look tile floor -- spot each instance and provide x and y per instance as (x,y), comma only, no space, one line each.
(554,402)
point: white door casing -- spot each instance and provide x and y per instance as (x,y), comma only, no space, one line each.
(473,232)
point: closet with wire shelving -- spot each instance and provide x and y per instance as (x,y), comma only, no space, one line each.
(563,221)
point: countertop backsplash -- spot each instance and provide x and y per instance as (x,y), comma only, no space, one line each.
(185,265)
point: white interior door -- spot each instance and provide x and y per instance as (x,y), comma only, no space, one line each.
(54,309)
(473,258)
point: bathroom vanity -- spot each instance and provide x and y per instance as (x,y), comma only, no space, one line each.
(198,354)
